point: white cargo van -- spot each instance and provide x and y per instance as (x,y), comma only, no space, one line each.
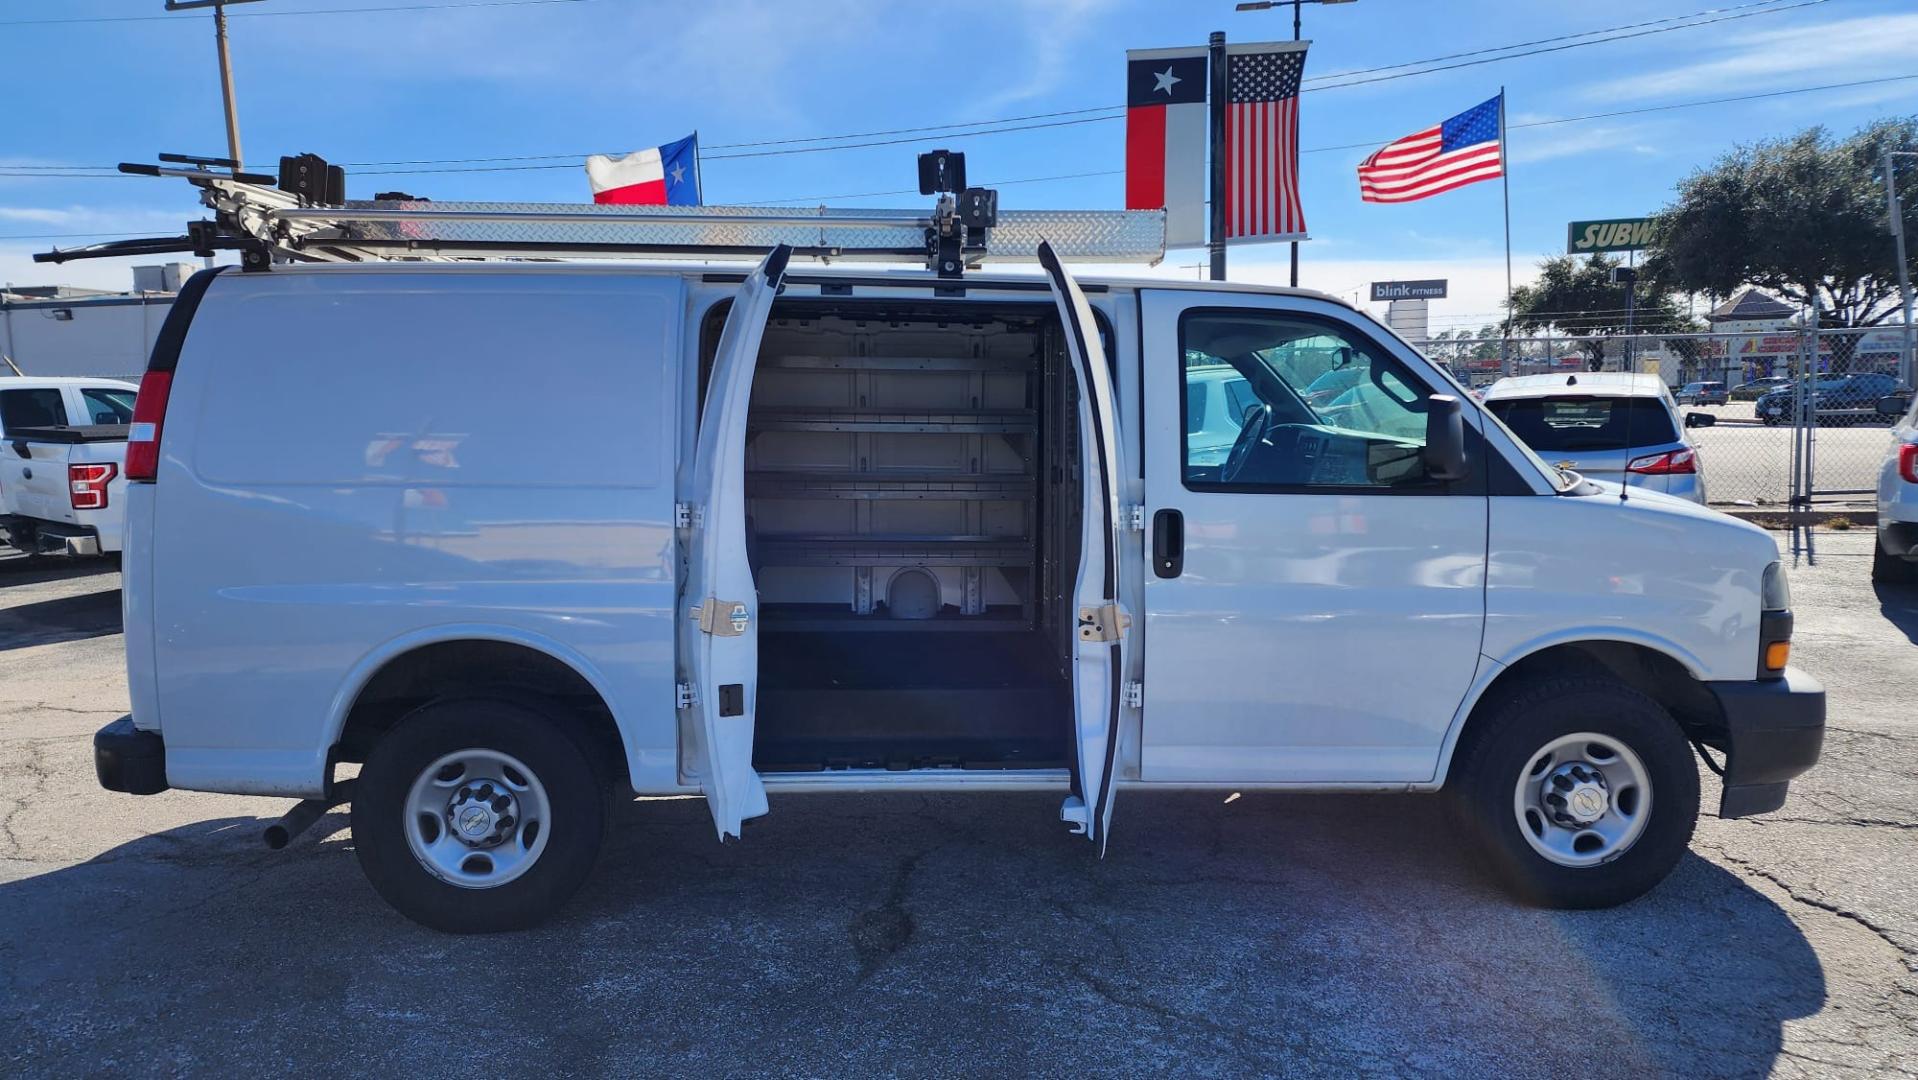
(516,538)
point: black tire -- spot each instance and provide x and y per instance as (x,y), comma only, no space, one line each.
(548,745)
(1889,569)
(1499,746)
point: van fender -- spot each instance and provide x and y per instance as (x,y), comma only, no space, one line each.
(387,651)
(1490,668)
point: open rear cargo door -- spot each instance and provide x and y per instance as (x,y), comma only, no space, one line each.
(1103,631)
(720,632)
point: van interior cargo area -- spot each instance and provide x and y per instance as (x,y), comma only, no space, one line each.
(913,525)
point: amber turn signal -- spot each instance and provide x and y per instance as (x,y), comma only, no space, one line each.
(1777,655)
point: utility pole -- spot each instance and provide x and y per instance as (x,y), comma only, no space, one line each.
(1896,211)
(226,70)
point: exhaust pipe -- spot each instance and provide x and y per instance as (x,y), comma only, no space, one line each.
(304,814)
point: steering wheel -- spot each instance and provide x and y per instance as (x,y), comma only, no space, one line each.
(1252,431)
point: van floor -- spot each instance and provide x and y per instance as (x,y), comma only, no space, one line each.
(924,699)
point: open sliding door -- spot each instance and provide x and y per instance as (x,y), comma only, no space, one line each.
(1103,624)
(719,637)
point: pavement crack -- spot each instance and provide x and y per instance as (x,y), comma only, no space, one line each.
(879,932)
(1881,932)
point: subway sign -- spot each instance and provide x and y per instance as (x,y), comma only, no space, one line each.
(1609,234)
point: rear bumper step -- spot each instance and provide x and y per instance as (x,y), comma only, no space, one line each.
(129,759)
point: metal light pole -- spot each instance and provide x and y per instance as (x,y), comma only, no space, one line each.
(226,70)
(1297,8)
(1896,212)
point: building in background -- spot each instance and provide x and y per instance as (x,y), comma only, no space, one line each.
(61,330)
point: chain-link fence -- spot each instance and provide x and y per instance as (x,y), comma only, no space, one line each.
(1794,414)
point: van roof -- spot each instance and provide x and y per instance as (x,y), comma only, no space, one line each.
(1588,383)
(735,272)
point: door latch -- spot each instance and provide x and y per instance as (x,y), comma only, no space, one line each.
(722,618)
(1107,622)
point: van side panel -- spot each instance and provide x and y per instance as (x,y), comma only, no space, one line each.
(353,459)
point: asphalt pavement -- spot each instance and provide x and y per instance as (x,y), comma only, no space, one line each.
(961,934)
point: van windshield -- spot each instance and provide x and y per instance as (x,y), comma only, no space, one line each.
(1564,424)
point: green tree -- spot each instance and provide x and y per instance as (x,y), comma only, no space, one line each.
(1575,298)
(1802,217)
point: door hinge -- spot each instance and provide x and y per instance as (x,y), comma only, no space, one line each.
(1073,813)
(722,618)
(1108,622)
(685,515)
(1133,694)
(685,697)
(1132,517)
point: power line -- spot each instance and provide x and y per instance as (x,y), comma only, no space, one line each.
(1113,112)
(1562,48)
(15,171)
(279,13)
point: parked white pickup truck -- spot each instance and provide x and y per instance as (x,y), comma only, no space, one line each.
(62,464)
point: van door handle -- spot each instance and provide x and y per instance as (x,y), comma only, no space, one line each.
(1168,543)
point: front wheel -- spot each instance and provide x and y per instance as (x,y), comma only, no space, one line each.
(478,815)
(1580,793)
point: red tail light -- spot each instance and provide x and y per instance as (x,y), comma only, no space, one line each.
(1666,464)
(1908,462)
(149,415)
(88,484)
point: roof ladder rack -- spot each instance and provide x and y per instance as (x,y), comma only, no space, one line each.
(268,223)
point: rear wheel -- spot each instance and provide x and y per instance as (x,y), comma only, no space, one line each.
(1580,793)
(1889,569)
(478,815)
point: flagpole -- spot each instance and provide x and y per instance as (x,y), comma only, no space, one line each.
(1216,71)
(699,175)
(1505,180)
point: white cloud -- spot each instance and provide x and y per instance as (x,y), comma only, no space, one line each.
(1047,39)
(1545,144)
(1840,51)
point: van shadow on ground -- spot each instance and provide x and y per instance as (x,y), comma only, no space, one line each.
(907,934)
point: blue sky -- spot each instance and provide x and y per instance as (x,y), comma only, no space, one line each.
(613,75)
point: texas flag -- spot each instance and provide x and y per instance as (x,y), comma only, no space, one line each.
(1165,133)
(660,175)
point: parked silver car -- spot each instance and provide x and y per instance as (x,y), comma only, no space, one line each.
(1613,426)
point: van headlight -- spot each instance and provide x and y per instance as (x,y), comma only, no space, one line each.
(1774,593)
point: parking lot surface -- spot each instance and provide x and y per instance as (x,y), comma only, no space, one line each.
(945,935)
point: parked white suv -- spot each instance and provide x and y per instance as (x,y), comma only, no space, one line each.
(846,531)
(1895,558)
(1605,425)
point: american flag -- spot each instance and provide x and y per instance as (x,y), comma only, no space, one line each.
(1463,150)
(1262,141)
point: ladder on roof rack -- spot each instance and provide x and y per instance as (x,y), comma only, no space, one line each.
(269,224)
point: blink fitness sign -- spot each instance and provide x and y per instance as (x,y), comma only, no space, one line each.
(1430,289)
(1610,234)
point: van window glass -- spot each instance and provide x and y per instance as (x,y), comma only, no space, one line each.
(32,408)
(106,405)
(1553,425)
(1305,406)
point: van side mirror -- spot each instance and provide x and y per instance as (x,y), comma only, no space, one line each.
(1700,419)
(1894,404)
(1444,438)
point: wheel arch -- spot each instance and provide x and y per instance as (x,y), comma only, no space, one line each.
(1659,669)
(500,661)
